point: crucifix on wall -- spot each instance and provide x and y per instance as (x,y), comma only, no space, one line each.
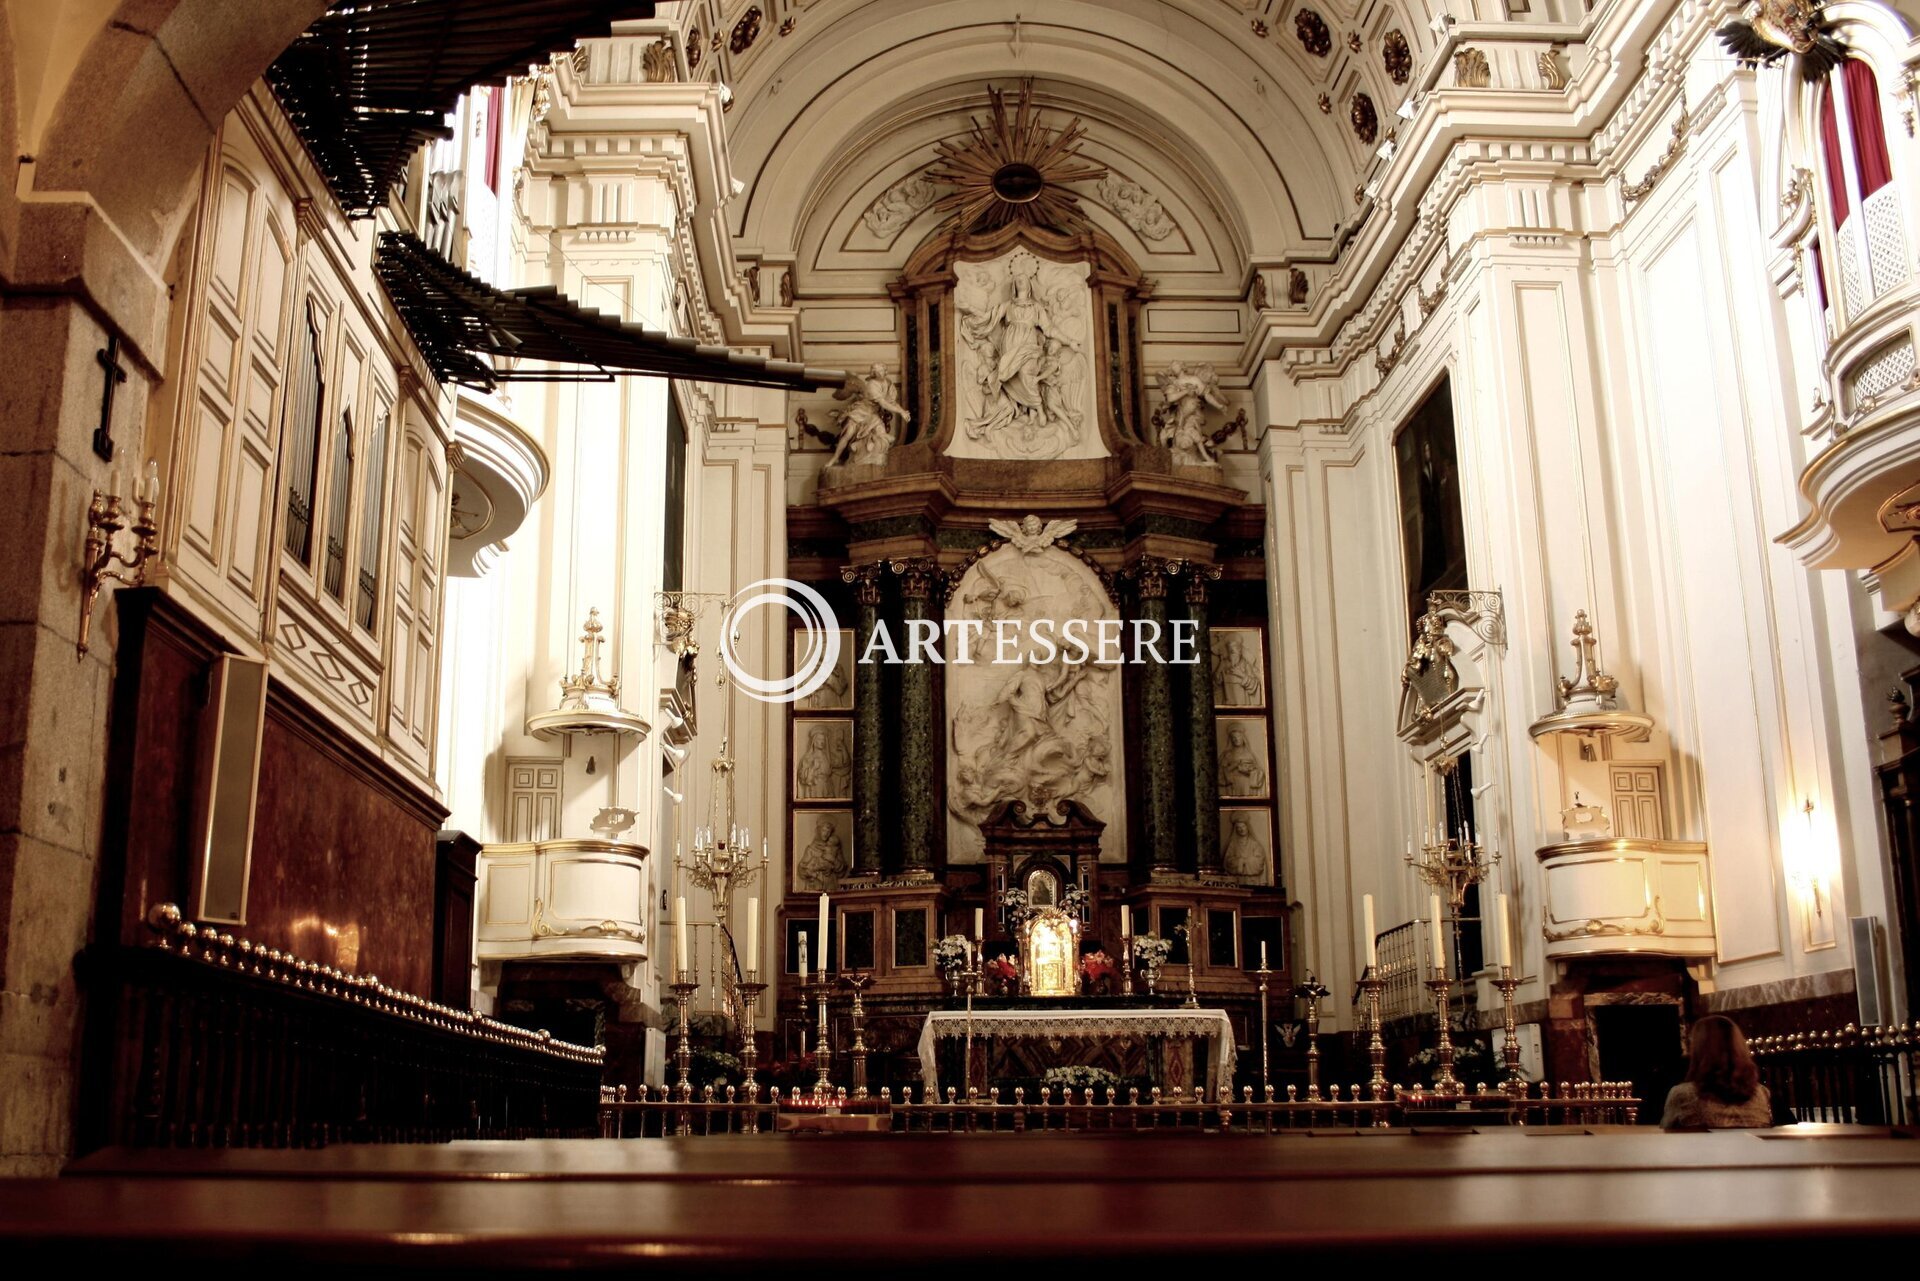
(109,360)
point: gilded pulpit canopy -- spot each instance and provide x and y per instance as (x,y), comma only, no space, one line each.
(1049,953)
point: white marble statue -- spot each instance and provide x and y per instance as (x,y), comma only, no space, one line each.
(1187,388)
(1026,381)
(1029,537)
(1137,207)
(872,416)
(1025,721)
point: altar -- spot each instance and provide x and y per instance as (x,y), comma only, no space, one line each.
(1202,1041)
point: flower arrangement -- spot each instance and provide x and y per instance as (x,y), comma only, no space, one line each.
(1003,970)
(1075,902)
(1081,1078)
(1014,903)
(1473,1064)
(1099,971)
(713,1067)
(950,955)
(1150,951)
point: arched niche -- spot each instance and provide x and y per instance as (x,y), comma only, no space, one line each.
(932,339)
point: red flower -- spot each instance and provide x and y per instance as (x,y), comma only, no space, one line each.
(1097,966)
(1003,968)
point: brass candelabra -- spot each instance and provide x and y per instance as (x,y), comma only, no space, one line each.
(1372,984)
(750,990)
(721,866)
(1442,988)
(105,520)
(859,983)
(684,987)
(1513,1083)
(1126,965)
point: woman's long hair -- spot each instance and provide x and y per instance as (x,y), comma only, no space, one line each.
(1719,1063)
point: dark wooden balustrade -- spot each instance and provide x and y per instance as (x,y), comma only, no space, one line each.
(1865,1076)
(212,1042)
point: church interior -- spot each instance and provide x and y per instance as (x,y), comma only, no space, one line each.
(623,621)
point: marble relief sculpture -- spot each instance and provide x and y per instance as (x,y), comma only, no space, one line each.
(1187,388)
(1025,378)
(1025,724)
(872,416)
(900,204)
(1137,207)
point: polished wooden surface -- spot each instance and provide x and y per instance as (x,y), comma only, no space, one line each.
(942,1205)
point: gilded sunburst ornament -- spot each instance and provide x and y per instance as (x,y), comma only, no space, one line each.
(1013,169)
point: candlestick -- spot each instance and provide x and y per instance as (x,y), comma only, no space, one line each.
(1505,935)
(972,977)
(803,957)
(1366,918)
(1263,956)
(683,990)
(1514,1083)
(822,1055)
(824,949)
(1442,988)
(679,935)
(1376,1047)
(1126,951)
(750,990)
(1439,943)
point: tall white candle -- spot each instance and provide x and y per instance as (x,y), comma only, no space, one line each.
(803,954)
(1439,941)
(824,949)
(1126,921)
(679,936)
(979,923)
(1500,924)
(752,959)
(1366,927)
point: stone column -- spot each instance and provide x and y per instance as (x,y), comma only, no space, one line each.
(1158,821)
(918,579)
(1200,740)
(869,745)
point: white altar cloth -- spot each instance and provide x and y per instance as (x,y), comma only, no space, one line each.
(1212,1026)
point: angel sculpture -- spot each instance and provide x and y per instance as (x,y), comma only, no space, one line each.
(1187,388)
(866,424)
(1030,537)
(1782,27)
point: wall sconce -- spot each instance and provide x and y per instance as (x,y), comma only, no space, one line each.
(105,520)
(1808,874)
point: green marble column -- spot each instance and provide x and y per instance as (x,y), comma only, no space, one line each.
(1200,740)
(869,745)
(918,580)
(1159,824)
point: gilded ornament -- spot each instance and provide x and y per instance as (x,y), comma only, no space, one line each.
(695,50)
(1365,120)
(1782,27)
(786,27)
(1396,56)
(1260,28)
(1553,73)
(1297,288)
(656,63)
(1013,170)
(745,31)
(1315,38)
(1326,105)
(1471,70)
(1353,42)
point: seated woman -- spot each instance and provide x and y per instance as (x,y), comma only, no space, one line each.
(1722,1090)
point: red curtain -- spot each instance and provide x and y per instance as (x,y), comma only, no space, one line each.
(1837,194)
(494,104)
(1869,127)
